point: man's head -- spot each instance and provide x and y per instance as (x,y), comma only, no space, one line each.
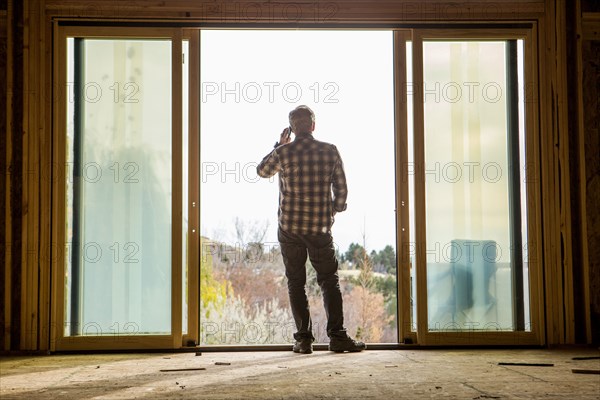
(302,120)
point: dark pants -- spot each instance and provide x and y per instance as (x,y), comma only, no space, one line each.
(294,249)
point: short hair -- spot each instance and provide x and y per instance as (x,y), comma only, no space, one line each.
(301,119)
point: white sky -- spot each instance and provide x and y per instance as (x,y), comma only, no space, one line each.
(250,82)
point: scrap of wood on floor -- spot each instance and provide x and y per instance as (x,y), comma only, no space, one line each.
(183,369)
(525,364)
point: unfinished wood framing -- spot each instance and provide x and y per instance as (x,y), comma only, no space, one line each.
(316,12)
(4,179)
(29,233)
(7,218)
(46,245)
(587,27)
(555,178)
(565,189)
(589,31)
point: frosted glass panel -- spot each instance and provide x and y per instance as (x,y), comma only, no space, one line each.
(119,199)
(471,267)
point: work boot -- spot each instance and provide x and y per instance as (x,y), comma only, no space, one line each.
(340,345)
(303,346)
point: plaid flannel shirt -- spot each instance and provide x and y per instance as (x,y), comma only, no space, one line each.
(310,171)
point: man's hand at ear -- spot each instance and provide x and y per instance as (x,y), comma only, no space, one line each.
(284,138)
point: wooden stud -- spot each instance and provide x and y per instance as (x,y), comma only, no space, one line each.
(6,245)
(565,181)
(248,11)
(30,243)
(9,156)
(582,170)
(45,188)
(548,174)
(25,179)
(532,176)
(555,182)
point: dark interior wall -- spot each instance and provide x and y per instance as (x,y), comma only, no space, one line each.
(12,162)
(16,172)
(590,61)
(575,177)
(3,88)
(591,116)
(588,90)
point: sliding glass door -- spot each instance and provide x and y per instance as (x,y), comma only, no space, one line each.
(472,195)
(121,142)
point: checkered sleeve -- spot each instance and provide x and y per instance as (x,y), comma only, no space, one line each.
(339,186)
(269,165)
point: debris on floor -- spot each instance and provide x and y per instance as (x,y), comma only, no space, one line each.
(416,375)
(524,364)
(183,369)
(585,371)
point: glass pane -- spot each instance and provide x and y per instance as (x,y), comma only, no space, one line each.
(473,268)
(244,298)
(118,277)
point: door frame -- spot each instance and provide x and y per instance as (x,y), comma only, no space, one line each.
(176,339)
(59,341)
(406,333)
(192,337)
(471,337)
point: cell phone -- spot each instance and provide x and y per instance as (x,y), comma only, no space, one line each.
(289,133)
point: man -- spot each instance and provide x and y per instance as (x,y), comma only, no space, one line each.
(309,171)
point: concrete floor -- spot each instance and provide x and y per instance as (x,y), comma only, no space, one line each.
(409,374)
